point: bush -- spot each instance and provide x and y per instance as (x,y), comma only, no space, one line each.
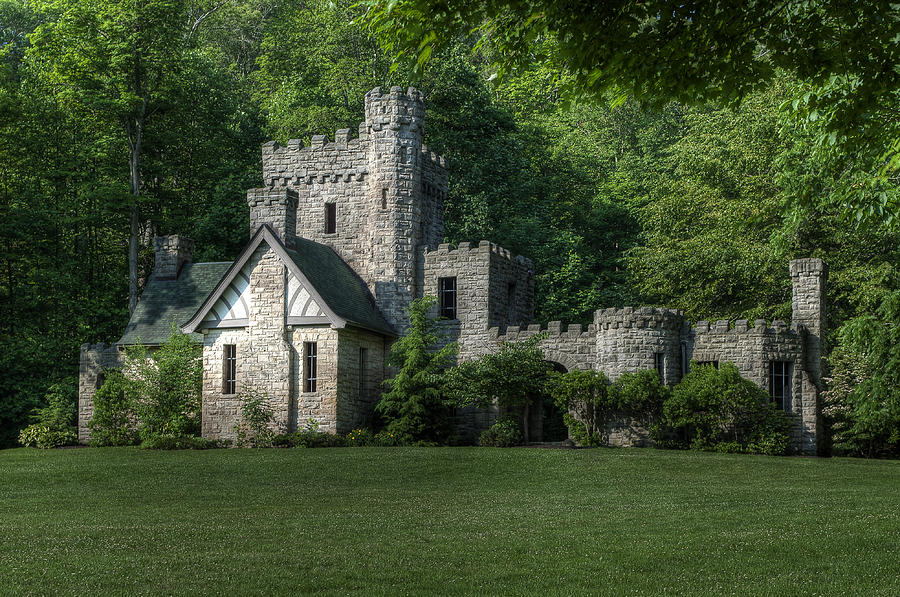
(256,416)
(717,409)
(114,422)
(414,407)
(44,436)
(502,434)
(587,404)
(53,425)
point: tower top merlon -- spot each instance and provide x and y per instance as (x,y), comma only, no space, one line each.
(395,111)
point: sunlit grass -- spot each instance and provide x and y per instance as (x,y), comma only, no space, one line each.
(445,520)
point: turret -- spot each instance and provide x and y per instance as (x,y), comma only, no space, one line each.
(394,127)
(808,277)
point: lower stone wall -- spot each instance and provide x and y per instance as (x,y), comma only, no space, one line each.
(94,359)
(320,406)
(219,411)
(358,389)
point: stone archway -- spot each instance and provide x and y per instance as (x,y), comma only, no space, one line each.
(545,420)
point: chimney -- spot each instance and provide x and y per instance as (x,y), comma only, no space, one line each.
(276,207)
(172,252)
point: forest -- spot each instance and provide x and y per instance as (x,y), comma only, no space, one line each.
(119,122)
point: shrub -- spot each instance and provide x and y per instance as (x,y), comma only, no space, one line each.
(502,434)
(715,409)
(114,422)
(511,378)
(587,404)
(53,424)
(640,395)
(256,416)
(414,407)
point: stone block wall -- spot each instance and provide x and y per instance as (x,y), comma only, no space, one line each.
(94,359)
(387,189)
(321,405)
(629,339)
(219,411)
(358,390)
(484,277)
(275,207)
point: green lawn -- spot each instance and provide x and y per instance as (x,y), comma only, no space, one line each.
(445,520)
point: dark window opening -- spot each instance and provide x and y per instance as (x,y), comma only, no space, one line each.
(780,384)
(684,361)
(309,374)
(659,361)
(447,297)
(229,374)
(330,218)
(363,357)
(384,198)
(511,304)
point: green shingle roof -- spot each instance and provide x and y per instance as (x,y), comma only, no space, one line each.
(165,301)
(338,285)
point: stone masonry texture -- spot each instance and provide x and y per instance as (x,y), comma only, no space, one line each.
(387,190)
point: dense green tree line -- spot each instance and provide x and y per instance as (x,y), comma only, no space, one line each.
(680,205)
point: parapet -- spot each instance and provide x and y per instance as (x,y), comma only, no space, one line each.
(742,326)
(642,317)
(811,265)
(553,330)
(484,248)
(395,110)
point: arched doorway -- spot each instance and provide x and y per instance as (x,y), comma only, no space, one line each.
(545,421)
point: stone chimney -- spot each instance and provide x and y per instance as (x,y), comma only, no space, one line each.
(172,252)
(808,277)
(276,207)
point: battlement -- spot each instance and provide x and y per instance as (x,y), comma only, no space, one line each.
(642,317)
(395,110)
(553,330)
(742,326)
(483,248)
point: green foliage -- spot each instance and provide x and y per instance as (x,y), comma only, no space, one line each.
(717,409)
(166,386)
(863,398)
(587,404)
(152,394)
(257,415)
(505,433)
(590,402)
(414,407)
(114,422)
(511,378)
(53,424)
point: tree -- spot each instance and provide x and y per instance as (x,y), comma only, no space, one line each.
(510,378)
(415,407)
(866,384)
(844,54)
(117,62)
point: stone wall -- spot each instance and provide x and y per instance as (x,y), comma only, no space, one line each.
(358,390)
(321,405)
(484,276)
(808,278)
(275,207)
(629,339)
(94,359)
(387,188)
(219,411)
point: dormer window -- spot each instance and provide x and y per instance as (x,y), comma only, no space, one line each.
(330,218)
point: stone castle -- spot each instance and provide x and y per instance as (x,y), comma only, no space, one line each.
(345,234)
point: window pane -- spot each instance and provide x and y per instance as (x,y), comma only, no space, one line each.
(309,384)
(330,218)
(230,369)
(447,297)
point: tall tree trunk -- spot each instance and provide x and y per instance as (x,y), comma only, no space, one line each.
(135,132)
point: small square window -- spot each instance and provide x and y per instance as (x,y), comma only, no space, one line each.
(330,218)
(447,297)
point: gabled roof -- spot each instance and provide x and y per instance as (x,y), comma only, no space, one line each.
(343,296)
(165,302)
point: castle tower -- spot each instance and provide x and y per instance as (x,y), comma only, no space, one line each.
(808,277)
(394,126)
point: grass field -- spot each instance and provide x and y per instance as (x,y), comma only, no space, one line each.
(445,521)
